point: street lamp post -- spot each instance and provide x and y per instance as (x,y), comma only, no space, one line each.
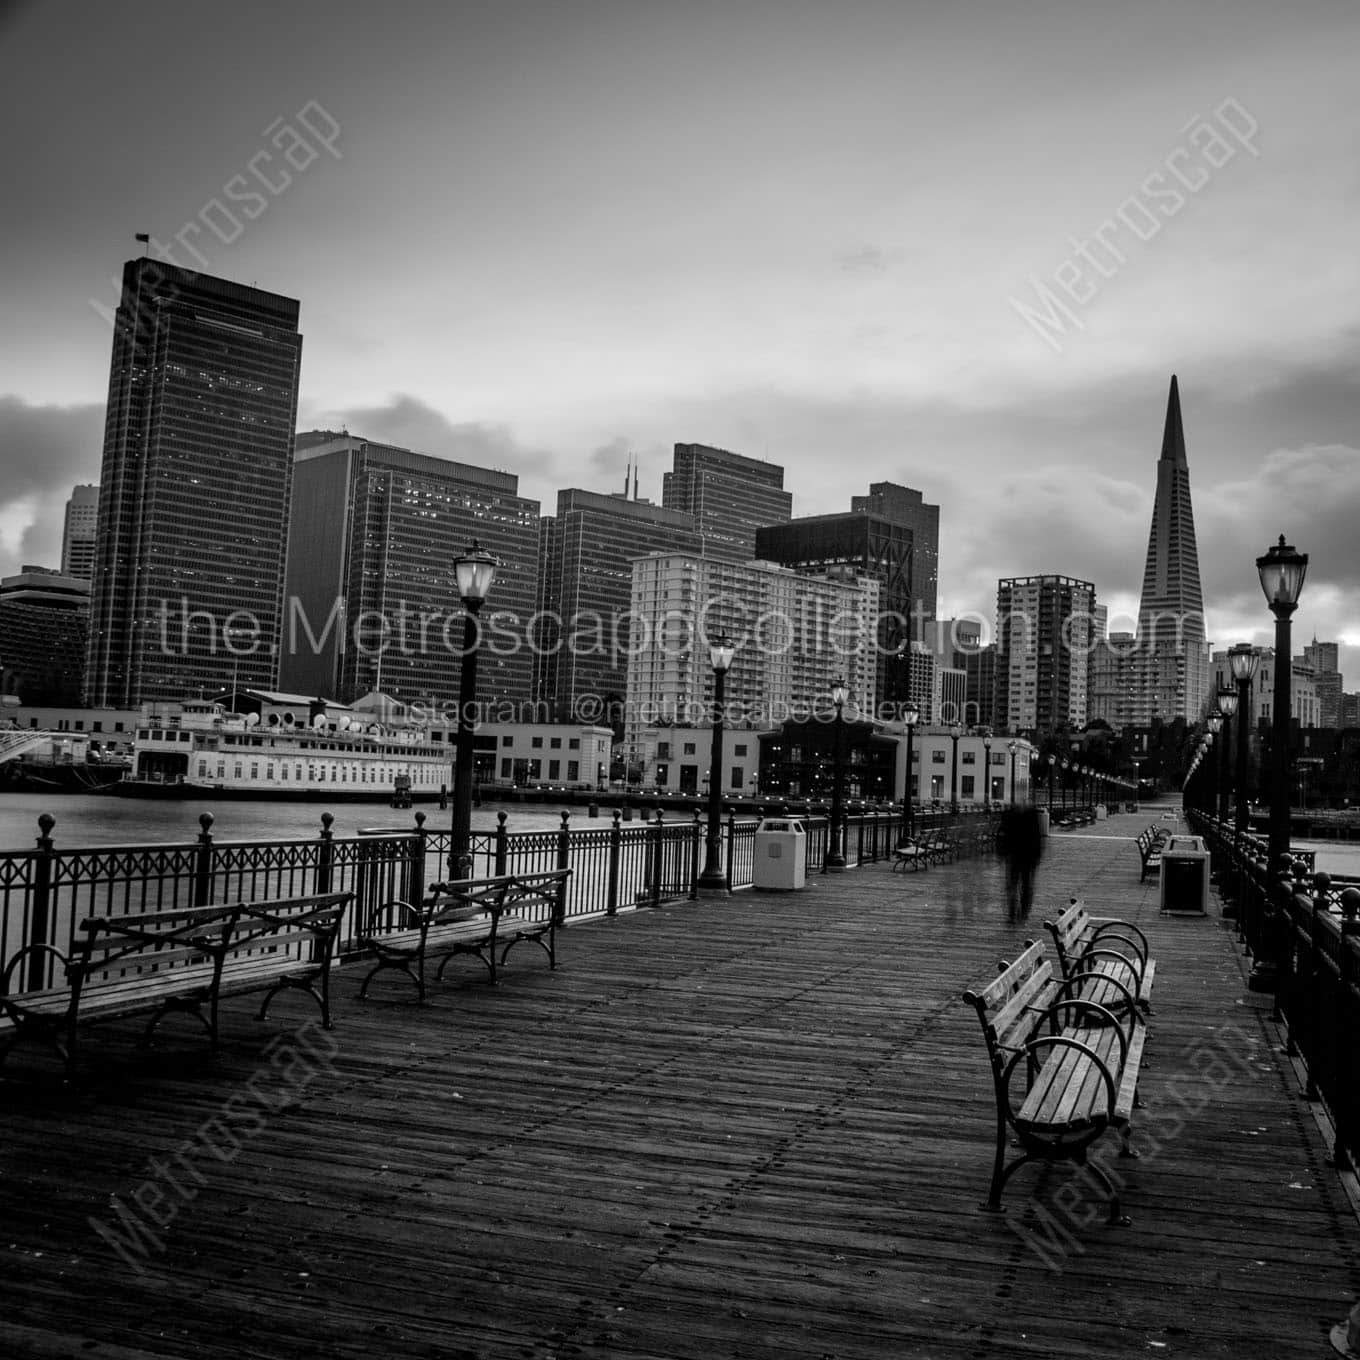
(1243,660)
(835,853)
(987,770)
(911,713)
(1227,706)
(1281,570)
(1214,724)
(474,572)
(713,880)
(1063,766)
(1052,765)
(1013,747)
(955,733)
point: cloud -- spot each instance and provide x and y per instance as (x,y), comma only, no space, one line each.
(47,451)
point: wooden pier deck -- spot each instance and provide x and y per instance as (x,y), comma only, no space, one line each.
(752,1127)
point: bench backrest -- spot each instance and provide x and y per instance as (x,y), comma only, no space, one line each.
(308,926)
(1076,932)
(109,948)
(540,896)
(1012,1004)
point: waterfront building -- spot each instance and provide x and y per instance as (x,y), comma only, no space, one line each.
(795,635)
(194,486)
(566,755)
(729,495)
(372,600)
(44,626)
(78,532)
(584,634)
(1175,681)
(984,774)
(1043,644)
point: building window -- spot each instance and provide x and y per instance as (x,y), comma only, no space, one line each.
(968,758)
(966,783)
(739,750)
(689,748)
(554,769)
(505,768)
(573,771)
(937,758)
(507,741)
(573,743)
(555,743)
(537,743)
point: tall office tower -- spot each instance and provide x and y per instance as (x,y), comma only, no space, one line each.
(795,635)
(729,495)
(902,505)
(375,533)
(1171,611)
(866,544)
(1324,658)
(193,496)
(1043,644)
(78,533)
(586,632)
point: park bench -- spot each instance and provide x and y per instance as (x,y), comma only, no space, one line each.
(1150,843)
(916,853)
(1080,1066)
(184,960)
(482,917)
(1104,959)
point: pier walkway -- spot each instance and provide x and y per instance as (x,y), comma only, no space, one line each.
(754,1127)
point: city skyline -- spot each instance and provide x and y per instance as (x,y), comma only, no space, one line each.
(810,282)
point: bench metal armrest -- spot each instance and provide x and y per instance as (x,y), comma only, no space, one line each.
(1061,1041)
(1131,996)
(1082,1004)
(27,951)
(1115,927)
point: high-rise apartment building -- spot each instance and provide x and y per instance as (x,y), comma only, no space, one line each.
(372,600)
(78,533)
(584,633)
(194,489)
(729,495)
(1324,658)
(1043,643)
(905,506)
(1173,651)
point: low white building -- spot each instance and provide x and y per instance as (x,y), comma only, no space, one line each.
(985,770)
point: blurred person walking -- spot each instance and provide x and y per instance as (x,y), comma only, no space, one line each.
(1022,843)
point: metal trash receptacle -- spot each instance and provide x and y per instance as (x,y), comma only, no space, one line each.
(780,855)
(1183,881)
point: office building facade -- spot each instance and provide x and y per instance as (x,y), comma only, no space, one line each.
(372,600)
(905,506)
(78,533)
(729,495)
(194,487)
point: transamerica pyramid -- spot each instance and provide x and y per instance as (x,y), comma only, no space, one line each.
(1172,651)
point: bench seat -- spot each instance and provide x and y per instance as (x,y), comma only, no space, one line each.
(1103,959)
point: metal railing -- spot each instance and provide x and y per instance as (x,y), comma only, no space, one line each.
(47,891)
(1303,929)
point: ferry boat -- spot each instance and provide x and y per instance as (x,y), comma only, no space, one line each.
(198,749)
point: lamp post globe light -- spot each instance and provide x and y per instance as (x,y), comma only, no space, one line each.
(1214,724)
(713,879)
(473,574)
(911,715)
(834,859)
(1227,706)
(955,732)
(1012,747)
(1281,570)
(1242,661)
(987,770)
(1063,766)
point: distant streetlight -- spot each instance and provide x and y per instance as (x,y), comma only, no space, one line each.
(1242,661)
(1281,570)
(835,852)
(1227,706)
(911,714)
(713,880)
(987,770)
(955,732)
(1213,724)
(1013,747)
(473,573)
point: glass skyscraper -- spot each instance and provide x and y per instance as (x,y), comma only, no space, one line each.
(194,489)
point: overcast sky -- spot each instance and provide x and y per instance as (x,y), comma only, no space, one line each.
(957,244)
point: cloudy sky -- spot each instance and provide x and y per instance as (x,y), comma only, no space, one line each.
(958,244)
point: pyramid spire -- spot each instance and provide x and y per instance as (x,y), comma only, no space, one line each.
(1173,437)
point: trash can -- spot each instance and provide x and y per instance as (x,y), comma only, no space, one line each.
(1184,877)
(1100,812)
(1043,821)
(780,855)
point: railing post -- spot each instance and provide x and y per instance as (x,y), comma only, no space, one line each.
(658,865)
(415,886)
(325,859)
(696,839)
(502,846)
(42,903)
(615,854)
(731,845)
(203,858)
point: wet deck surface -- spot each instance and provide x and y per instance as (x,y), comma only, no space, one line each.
(753,1127)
